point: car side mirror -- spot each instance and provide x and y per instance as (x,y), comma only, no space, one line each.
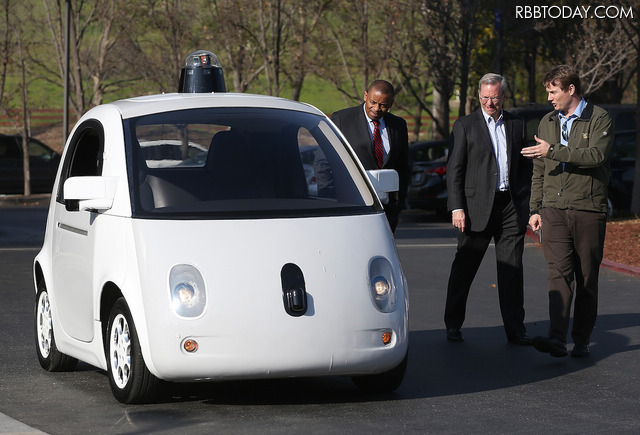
(384,181)
(89,193)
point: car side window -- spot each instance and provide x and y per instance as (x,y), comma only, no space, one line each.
(9,149)
(38,151)
(84,156)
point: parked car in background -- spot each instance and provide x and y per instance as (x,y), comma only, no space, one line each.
(428,187)
(43,165)
(623,166)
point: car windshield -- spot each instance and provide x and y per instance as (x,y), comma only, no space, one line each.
(242,163)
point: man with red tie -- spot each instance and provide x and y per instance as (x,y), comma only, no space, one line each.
(379,138)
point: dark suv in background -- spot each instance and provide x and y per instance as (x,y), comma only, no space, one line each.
(43,165)
(622,157)
(428,164)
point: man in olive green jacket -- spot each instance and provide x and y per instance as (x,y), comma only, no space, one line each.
(569,206)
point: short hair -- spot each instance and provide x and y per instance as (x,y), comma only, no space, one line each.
(382,86)
(562,76)
(492,79)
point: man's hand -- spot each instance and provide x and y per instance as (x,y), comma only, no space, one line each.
(458,219)
(535,222)
(537,151)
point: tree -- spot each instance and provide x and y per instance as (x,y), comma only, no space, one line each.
(165,33)
(599,50)
(352,49)
(95,70)
(411,62)
(305,17)
(25,116)
(230,20)
(5,46)
(13,26)
(447,44)
(631,28)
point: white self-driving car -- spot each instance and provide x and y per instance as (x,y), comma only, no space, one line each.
(183,244)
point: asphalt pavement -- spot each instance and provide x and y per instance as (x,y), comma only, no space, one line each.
(483,385)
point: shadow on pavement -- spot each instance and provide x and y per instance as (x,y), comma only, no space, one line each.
(484,362)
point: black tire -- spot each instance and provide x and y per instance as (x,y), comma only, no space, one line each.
(129,378)
(50,358)
(383,382)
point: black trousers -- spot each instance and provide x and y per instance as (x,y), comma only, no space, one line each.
(392,210)
(573,245)
(508,232)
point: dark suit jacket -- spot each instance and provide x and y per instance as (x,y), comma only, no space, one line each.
(472,169)
(354,125)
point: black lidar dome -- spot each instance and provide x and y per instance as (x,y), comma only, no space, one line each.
(201,72)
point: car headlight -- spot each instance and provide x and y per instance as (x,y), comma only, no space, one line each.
(188,293)
(383,288)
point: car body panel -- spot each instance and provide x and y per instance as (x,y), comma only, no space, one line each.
(243,283)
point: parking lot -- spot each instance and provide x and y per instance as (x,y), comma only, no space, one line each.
(481,386)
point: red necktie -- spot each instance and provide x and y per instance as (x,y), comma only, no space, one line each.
(378,151)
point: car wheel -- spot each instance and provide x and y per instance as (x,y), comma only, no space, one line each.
(51,359)
(383,382)
(129,378)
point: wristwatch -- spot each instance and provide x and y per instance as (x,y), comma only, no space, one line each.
(550,150)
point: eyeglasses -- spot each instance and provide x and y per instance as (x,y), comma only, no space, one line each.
(494,100)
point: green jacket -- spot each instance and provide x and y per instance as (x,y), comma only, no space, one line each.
(582,185)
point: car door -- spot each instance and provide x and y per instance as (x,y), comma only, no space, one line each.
(43,165)
(11,174)
(73,241)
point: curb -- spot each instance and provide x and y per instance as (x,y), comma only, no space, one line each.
(624,268)
(22,201)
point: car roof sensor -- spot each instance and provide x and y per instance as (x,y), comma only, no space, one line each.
(201,72)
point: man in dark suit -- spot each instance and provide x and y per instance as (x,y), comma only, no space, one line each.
(488,182)
(361,125)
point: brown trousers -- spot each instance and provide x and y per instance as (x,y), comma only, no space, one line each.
(573,244)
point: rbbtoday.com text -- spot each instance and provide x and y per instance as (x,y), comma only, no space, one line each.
(584,12)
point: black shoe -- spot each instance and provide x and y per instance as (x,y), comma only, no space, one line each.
(580,350)
(522,339)
(454,335)
(550,345)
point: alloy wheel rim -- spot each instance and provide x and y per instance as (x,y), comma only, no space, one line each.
(44,325)
(120,351)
